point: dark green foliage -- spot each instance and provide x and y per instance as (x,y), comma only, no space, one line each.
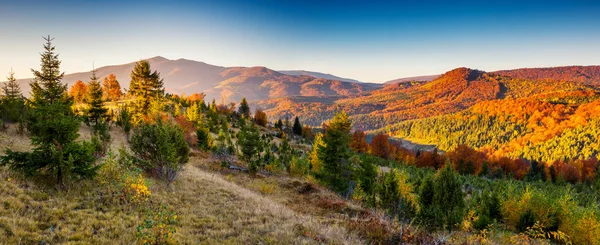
(337,170)
(205,141)
(53,127)
(389,195)
(297,128)
(244,109)
(287,126)
(367,175)
(96,113)
(526,220)
(147,88)
(445,205)
(250,143)
(279,124)
(426,193)
(124,120)
(489,211)
(536,172)
(12,103)
(101,138)
(485,169)
(284,152)
(161,149)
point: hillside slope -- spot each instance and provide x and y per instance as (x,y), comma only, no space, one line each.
(210,210)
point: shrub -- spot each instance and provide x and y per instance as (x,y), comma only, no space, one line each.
(205,141)
(101,138)
(447,204)
(161,148)
(526,220)
(121,181)
(158,227)
(188,130)
(124,120)
(299,166)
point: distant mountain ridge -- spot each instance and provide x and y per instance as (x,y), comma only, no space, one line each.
(225,83)
(317,75)
(425,78)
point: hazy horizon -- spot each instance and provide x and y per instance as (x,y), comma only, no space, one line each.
(367,42)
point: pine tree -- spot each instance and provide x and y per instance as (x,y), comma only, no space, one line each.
(448,198)
(250,143)
(147,89)
(244,109)
(279,124)
(96,112)
(297,128)
(315,162)
(337,170)
(11,89)
(285,152)
(367,175)
(12,101)
(287,126)
(111,88)
(53,127)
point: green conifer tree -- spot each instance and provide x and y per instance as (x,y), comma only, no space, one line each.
(146,88)
(448,198)
(12,101)
(250,143)
(297,128)
(337,170)
(53,127)
(96,112)
(244,109)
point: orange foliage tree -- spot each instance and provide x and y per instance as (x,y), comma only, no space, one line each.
(111,88)
(78,91)
(380,146)
(260,118)
(359,142)
(196,97)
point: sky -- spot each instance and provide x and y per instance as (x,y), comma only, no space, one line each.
(371,41)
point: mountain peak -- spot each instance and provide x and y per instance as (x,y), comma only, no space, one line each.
(158,58)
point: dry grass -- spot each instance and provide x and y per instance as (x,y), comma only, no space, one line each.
(210,210)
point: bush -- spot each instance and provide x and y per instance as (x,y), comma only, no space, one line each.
(121,181)
(299,166)
(124,120)
(205,141)
(158,227)
(442,199)
(526,220)
(101,138)
(161,148)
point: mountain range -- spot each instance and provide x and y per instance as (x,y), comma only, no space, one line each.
(183,76)
(519,113)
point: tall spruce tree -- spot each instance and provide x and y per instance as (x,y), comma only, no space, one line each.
(297,128)
(250,144)
(12,102)
(337,170)
(11,89)
(147,89)
(96,112)
(244,109)
(448,199)
(53,128)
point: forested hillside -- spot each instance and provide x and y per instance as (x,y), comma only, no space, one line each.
(91,164)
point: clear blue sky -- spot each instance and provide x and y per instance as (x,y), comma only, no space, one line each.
(365,40)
